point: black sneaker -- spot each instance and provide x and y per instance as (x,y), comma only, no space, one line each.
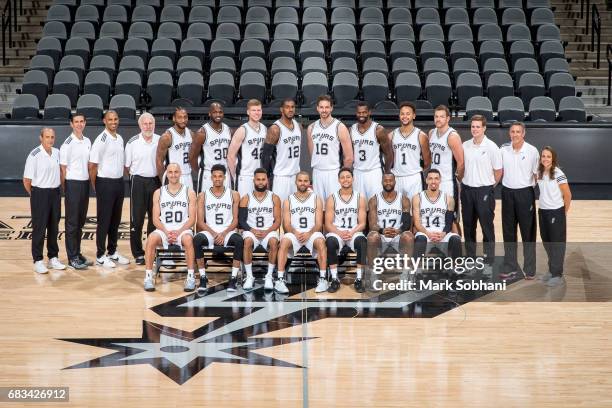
(140,260)
(334,286)
(85,261)
(75,263)
(233,282)
(203,284)
(359,286)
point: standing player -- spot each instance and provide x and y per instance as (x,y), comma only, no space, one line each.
(174,214)
(173,146)
(302,223)
(328,143)
(345,221)
(74,155)
(369,141)
(433,212)
(282,146)
(217,222)
(210,147)
(389,219)
(259,217)
(106,161)
(248,139)
(409,145)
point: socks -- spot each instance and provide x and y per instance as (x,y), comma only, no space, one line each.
(359,272)
(270,269)
(334,273)
(234,271)
(249,270)
(148,274)
(190,273)
(202,272)
(281,274)
(322,273)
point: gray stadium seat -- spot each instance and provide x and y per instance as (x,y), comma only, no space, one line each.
(202,32)
(407,87)
(561,84)
(173,31)
(484,16)
(399,16)
(479,105)
(229,14)
(438,88)
(404,64)
(374,65)
(456,16)
(221,87)
(144,14)
(345,88)
(313,85)
(97,3)
(67,83)
(172,14)
(260,15)
(127,4)
(36,82)
(55,29)
(469,84)
(371,15)
(257,31)
(459,32)
(493,65)
(312,15)
(489,32)
(281,48)
(45,64)
(342,15)
(315,3)
(159,88)
(375,87)
(189,63)
(103,63)
(314,64)
(491,49)
(534,4)
(344,64)
(50,46)
(235,3)
(571,108)
(59,12)
(344,32)
(106,46)
(283,64)
(225,64)
(554,65)
(518,32)
(164,47)
(523,66)
(499,85)
(252,85)
(431,32)
(132,63)
(113,30)
(401,32)
(98,83)
(289,15)
(448,4)
(463,65)
(511,16)
(346,49)
(157,3)
(315,32)
(432,49)
(73,63)
(435,65)
(521,49)
(286,31)
(342,3)
(136,47)
(425,3)
(427,16)
(377,4)
(160,63)
(550,49)
(542,108)
(259,3)
(548,32)
(391,4)
(531,85)
(311,48)
(542,16)
(91,106)
(129,83)
(191,87)
(510,109)
(77,46)
(504,4)
(284,85)
(115,13)
(193,47)
(87,13)
(57,107)
(141,30)
(402,48)
(374,32)
(179,3)
(84,29)
(462,49)
(201,14)
(222,47)
(207,3)
(25,106)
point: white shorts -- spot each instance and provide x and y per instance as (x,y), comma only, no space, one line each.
(256,242)
(297,245)
(342,243)
(205,180)
(211,240)
(439,245)
(178,242)
(245,185)
(284,186)
(409,185)
(325,183)
(368,182)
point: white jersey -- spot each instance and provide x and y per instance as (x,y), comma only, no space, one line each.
(218,210)
(433,214)
(178,152)
(288,150)
(442,155)
(326,146)
(251,149)
(303,212)
(407,153)
(366,148)
(260,213)
(173,208)
(215,146)
(346,213)
(389,213)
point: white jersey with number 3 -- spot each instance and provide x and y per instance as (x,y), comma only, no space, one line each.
(389,213)
(173,208)
(252,146)
(325,146)
(303,212)
(216,145)
(441,154)
(433,213)
(260,212)
(218,210)
(407,153)
(366,148)
(178,152)
(346,213)
(288,149)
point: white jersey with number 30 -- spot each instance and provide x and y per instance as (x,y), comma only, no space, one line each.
(218,210)
(346,213)
(216,145)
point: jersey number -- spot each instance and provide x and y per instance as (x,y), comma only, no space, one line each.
(294,152)
(220,153)
(404,159)
(256,153)
(345,224)
(322,148)
(362,155)
(391,223)
(303,222)
(174,217)
(185,157)
(219,219)
(259,222)
(435,222)
(436,158)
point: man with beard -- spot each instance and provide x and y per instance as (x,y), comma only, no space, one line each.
(302,224)
(210,146)
(370,142)
(259,217)
(282,150)
(173,147)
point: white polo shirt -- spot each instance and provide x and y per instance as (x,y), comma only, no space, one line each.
(550,193)
(480,162)
(107,152)
(520,166)
(140,156)
(74,154)
(43,168)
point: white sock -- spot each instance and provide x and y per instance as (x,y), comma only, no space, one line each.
(202,272)
(249,270)
(270,269)
(280,274)
(234,271)
(148,274)
(322,273)
(359,272)
(334,273)
(190,273)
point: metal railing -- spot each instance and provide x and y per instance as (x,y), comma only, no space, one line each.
(588,7)
(596,29)
(609,58)
(9,23)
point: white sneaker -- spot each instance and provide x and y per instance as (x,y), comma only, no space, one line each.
(55,263)
(280,286)
(105,262)
(39,267)
(268,283)
(248,283)
(120,259)
(321,286)
(149,284)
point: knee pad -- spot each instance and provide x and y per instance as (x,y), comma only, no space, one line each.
(238,243)
(200,241)
(332,250)
(361,245)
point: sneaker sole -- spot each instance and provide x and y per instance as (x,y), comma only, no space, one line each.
(231,289)
(150,290)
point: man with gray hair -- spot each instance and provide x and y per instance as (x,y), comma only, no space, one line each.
(140,153)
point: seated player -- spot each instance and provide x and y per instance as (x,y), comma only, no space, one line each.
(302,224)
(174,214)
(389,219)
(433,212)
(259,218)
(345,220)
(217,222)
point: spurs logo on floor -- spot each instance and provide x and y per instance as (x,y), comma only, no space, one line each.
(19,227)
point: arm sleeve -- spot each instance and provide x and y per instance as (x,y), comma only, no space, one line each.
(30,167)
(448,221)
(243,213)
(406,221)
(267,157)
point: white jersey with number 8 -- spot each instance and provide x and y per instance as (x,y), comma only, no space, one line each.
(260,213)
(218,210)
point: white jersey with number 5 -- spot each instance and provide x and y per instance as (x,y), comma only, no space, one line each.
(216,145)
(252,146)
(346,213)
(366,148)
(326,146)
(288,149)
(303,212)
(178,152)
(218,210)
(389,213)
(173,208)
(441,154)
(260,213)
(407,153)
(433,213)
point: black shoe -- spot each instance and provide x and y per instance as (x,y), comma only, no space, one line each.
(203,284)
(233,282)
(508,275)
(140,260)
(334,286)
(359,286)
(75,263)
(85,261)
